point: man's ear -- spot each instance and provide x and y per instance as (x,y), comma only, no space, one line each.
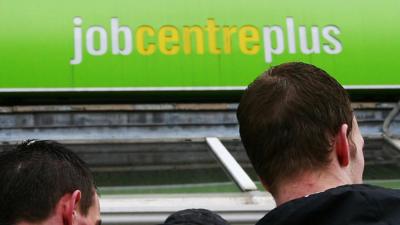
(70,206)
(342,148)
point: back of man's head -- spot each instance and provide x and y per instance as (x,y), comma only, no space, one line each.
(288,117)
(35,175)
(195,217)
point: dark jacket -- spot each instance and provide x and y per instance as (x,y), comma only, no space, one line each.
(344,205)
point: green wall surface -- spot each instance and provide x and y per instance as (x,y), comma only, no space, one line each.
(193,43)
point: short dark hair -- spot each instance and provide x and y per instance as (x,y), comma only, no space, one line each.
(195,217)
(35,175)
(288,117)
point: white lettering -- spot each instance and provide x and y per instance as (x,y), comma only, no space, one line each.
(315,43)
(115,31)
(90,41)
(268,48)
(337,46)
(77,42)
(291,35)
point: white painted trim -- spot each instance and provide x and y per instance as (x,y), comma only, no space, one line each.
(375,87)
(393,141)
(123,89)
(231,165)
(149,209)
(159,89)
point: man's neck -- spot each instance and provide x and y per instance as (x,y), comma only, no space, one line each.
(308,183)
(53,220)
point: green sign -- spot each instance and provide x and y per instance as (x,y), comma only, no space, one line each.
(193,44)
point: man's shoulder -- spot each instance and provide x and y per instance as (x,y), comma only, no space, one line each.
(369,191)
(338,206)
